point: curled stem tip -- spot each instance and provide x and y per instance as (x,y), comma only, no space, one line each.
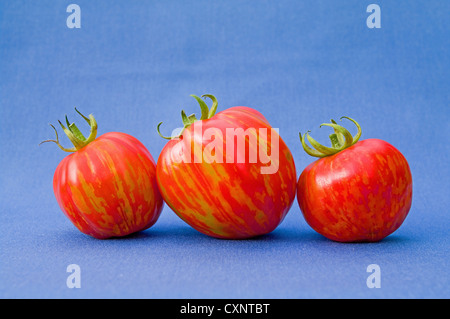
(340,140)
(157,128)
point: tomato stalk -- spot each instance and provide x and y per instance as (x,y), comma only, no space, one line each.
(340,140)
(74,134)
(207,113)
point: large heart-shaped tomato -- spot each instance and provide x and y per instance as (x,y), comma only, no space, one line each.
(228,175)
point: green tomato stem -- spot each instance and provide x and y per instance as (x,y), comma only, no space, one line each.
(74,134)
(339,135)
(335,140)
(207,113)
(340,140)
(74,129)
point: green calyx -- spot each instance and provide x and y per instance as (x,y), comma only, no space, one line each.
(75,135)
(340,140)
(207,113)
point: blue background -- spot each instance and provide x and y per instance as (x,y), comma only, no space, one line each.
(135,63)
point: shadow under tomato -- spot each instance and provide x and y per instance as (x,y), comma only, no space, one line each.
(186,234)
(305,235)
(74,234)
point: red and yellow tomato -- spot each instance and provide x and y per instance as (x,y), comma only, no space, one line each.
(107,187)
(357,191)
(224,185)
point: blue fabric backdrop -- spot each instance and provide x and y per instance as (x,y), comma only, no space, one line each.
(135,63)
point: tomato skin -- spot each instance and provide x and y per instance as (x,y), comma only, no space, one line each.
(228,200)
(361,194)
(108,188)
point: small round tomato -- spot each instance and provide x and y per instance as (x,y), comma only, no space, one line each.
(107,187)
(228,175)
(357,191)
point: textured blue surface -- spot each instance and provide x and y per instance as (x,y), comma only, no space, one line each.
(135,63)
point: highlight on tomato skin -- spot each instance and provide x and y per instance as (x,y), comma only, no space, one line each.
(107,185)
(358,191)
(229,188)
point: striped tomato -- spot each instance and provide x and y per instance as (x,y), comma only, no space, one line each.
(228,175)
(357,191)
(107,186)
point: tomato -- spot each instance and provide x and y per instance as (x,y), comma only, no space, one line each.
(218,176)
(107,187)
(358,191)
